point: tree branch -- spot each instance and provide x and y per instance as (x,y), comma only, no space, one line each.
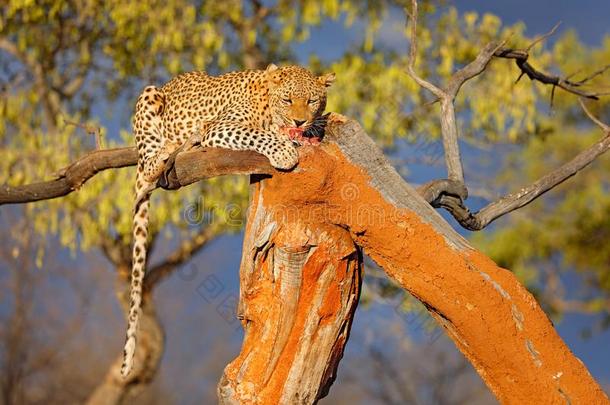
(521,56)
(187,249)
(189,167)
(71,177)
(450,193)
(447,95)
(511,202)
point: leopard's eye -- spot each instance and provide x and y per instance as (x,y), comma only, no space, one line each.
(312,101)
(287,100)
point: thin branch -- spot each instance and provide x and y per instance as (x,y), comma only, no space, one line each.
(455,171)
(511,202)
(521,56)
(187,249)
(473,69)
(593,118)
(413,53)
(89,130)
(593,75)
(543,37)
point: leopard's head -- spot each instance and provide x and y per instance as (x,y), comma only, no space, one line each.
(296,96)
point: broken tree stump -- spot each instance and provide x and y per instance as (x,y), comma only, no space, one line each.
(300,284)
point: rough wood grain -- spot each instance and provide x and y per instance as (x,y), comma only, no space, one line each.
(300,283)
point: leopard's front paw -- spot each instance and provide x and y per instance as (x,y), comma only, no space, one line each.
(285,157)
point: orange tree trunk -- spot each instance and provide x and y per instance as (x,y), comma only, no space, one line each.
(299,283)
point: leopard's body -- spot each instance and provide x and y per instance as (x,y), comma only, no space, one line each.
(250,110)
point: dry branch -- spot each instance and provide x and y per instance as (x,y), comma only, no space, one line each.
(71,177)
(521,59)
(450,193)
(190,167)
(513,201)
(455,171)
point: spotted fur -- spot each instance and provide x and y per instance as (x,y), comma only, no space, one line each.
(250,110)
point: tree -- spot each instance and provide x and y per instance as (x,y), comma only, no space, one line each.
(394,70)
(62,59)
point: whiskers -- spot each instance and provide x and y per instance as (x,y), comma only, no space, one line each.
(316,128)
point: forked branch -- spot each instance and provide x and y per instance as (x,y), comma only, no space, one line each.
(450,193)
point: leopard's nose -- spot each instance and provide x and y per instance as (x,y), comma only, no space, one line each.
(298,123)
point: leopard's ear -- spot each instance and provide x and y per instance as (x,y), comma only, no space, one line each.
(327,79)
(273,74)
(272,67)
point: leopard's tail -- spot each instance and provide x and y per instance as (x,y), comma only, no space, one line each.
(140,235)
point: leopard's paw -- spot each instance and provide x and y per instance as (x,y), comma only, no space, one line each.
(285,158)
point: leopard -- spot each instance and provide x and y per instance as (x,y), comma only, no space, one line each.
(269,111)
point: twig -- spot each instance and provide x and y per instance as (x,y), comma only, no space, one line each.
(593,75)
(473,69)
(521,57)
(543,37)
(413,53)
(593,118)
(90,130)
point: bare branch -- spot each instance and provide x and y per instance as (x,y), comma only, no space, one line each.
(413,53)
(89,130)
(449,131)
(521,56)
(190,167)
(511,202)
(594,74)
(543,37)
(593,118)
(187,249)
(473,69)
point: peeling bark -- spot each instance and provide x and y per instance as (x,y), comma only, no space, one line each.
(300,283)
